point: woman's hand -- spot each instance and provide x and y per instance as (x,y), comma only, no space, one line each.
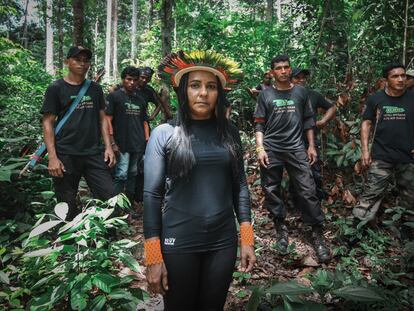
(157,278)
(248,258)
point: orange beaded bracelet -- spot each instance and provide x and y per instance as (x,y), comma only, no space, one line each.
(246,234)
(153,253)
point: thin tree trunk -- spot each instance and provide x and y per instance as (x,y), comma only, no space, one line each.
(95,40)
(108,38)
(49,38)
(167,26)
(279,10)
(24,38)
(115,38)
(404,56)
(269,10)
(134,29)
(151,14)
(78,16)
(60,34)
(325,12)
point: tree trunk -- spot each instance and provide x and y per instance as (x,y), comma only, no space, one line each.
(115,38)
(108,38)
(134,29)
(167,26)
(24,38)
(49,38)
(151,13)
(269,10)
(78,17)
(279,10)
(95,40)
(404,56)
(60,33)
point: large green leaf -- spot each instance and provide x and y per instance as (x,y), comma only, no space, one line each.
(130,261)
(289,288)
(4,278)
(358,293)
(98,303)
(105,281)
(78,299)
(43,228)
(254,300)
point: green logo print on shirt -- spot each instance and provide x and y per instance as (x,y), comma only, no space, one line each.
(393,113)
(283,102)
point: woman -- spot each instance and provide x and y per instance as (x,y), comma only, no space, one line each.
(194,183)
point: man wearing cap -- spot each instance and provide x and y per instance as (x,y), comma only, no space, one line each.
(76,150)
(299,77)
(149,94)
(282,114)
(391,113)
(410,79)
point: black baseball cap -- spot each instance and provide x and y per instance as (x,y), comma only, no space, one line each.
(298,71)
(146,71)
(76,50)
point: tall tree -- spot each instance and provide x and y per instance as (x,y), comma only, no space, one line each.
(167,26)
(60,32)
(269,10)
(115,38)
(78,18)
(24,35)
(49,38)
(134,29)
(108,38)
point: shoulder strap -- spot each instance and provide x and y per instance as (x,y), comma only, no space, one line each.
(73,106)
(42,148)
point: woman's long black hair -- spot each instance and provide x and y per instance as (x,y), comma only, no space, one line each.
(181,159)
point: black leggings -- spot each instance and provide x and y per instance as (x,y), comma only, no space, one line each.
(199,281)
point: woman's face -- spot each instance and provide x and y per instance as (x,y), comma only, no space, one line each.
(202,94)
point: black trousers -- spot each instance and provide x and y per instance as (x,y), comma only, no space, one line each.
(300,175)
(96,173)
(317,177)
(199,281)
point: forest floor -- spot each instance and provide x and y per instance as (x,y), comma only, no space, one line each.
(272,266)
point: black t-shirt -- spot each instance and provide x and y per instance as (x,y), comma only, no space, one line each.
(282,116)
(198,211)
(129,114)
(394,138)
(148,94)
(317,101)
(81,133)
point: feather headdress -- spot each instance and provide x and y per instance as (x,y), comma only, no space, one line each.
(175,65)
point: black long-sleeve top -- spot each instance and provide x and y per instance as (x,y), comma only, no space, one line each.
(195,213)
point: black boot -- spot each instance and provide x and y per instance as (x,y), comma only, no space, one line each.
(282,241)
(322,251)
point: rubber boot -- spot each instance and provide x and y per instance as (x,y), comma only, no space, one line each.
(322,251)
(282,236)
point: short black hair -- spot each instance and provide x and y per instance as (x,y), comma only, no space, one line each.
(130,71)
(387,68)
(278,59)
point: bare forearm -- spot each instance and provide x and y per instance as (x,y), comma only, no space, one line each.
(365,130)
(259,139)
(105,130)
(310,137)
(329,114)
(49,136)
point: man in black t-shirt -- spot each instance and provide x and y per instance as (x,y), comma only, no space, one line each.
(282,113)
(127,115)
(150,95)
(266,83)
(299,77)
(76,150)
(391,111)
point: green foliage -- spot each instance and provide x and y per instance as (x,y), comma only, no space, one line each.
(79,264)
